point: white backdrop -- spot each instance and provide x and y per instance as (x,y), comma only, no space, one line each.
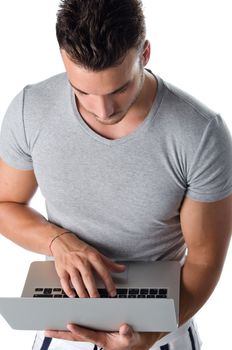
(191,48)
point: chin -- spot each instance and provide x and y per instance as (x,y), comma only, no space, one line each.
(111,121)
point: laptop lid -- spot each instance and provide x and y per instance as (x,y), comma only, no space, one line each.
(143,314)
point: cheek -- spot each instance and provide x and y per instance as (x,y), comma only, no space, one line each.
(129,97)
(86,101)
(125,99)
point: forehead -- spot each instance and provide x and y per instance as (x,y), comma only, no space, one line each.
(105,81)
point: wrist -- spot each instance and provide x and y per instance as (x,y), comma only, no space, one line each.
(58,239)
(57,236)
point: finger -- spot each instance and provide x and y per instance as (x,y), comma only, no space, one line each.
(88,335)
(65,283)
(107,279)
(105,275)
(78,284)
(88,278)
(66,335)
(126,331)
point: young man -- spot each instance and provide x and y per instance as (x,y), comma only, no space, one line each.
(130,166)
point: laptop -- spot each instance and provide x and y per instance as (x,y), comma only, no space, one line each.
(147,299)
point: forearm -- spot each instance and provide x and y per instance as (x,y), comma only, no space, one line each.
(198,281)
(26,227)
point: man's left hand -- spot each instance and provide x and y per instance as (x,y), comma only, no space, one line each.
(125,339)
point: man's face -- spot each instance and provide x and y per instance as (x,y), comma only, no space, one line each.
(107,95)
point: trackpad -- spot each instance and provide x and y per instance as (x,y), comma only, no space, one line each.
(118,278)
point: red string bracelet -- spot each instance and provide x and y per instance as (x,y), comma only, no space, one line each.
(57,236)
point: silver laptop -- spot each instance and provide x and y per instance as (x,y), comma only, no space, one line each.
(147,299)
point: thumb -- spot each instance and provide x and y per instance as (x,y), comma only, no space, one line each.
(126,330)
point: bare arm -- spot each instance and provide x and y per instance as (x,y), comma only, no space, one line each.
(207,230)
(18,222)
(74,259)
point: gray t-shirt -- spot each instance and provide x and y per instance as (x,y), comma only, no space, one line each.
(122,196)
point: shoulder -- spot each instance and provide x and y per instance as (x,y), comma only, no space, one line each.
(42,104)
(185,109)
(195,138)
(184,118)
(47,89)
(45,99)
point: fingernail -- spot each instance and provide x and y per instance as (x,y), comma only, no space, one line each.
(126,331)
(113,293)
(72,296)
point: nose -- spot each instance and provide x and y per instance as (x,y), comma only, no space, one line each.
(104,107)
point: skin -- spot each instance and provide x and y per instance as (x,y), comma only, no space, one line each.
(207,230)
(113,102)
(206,226)
(112,116)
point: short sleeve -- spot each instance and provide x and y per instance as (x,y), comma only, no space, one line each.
(14,148)
(210,175)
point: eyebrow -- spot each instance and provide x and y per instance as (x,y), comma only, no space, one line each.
(113,92)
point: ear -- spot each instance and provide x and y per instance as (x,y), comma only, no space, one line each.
(146,52)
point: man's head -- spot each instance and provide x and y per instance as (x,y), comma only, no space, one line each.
(97,34)
(104,51)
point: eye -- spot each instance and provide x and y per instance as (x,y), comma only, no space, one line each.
(81,93)
(121,91)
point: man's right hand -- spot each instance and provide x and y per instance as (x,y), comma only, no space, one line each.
(75,261)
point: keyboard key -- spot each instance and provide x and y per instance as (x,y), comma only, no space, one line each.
(47,290)
(163,291)
(103,293)
(153,291)
(121,291)
(133,291)
(143,291)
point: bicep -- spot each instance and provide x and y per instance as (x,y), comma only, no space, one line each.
(207,227)
(17,186)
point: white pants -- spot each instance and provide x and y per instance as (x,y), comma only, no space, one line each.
(185,337)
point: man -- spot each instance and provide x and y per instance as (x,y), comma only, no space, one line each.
(130,166)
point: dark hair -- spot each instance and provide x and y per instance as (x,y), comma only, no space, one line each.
(97,34)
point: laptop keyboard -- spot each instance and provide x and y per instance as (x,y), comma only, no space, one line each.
(121,293)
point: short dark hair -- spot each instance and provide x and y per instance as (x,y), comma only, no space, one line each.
(97,34)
